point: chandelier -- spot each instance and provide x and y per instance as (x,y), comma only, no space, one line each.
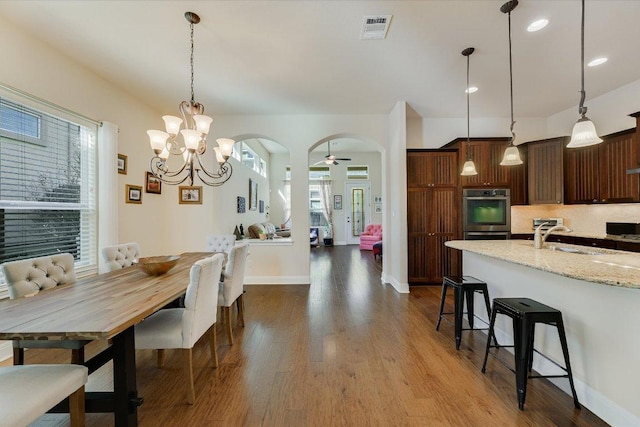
(191,149)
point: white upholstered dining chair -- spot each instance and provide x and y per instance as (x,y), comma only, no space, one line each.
(27,277)
(181,328)
(120,256)
(231,289)
(220,242)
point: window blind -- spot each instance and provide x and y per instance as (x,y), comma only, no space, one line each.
(47,184)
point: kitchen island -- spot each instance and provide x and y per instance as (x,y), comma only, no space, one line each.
(598,292)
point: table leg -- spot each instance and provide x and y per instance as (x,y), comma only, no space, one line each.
(124,379)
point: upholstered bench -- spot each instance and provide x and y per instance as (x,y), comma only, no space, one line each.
(377,249)
(27,392)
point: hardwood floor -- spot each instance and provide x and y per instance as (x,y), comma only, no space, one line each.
(344,351)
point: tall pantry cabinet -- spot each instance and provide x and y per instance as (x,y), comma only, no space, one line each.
(433,214)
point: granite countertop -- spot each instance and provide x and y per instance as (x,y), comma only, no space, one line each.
(584,235)
(605,266)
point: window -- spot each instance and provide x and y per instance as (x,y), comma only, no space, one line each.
(253,161)
(47,190)
(357,172)
(317,173)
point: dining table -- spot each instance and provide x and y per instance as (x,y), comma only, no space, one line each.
(101,307)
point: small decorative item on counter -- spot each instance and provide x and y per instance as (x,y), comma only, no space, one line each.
(241,229)
(262,235)
(236,233)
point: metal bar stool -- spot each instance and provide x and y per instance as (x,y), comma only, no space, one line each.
(525,313)
(463,286)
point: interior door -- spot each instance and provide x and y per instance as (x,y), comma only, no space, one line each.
(358,210)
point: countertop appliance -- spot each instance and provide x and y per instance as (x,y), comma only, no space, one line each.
(486,213)
(550,222)
(624,230)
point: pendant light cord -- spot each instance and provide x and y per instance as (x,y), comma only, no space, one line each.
(513,135)
(468,139)
(582,110)
(192,92)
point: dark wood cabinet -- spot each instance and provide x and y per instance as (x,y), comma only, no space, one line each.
(433,215)
(598,174)
(546,171)
(487,154)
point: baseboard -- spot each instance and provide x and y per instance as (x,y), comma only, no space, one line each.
(6,350)
(277,280)
(340,243)
(402,288)
(603,407)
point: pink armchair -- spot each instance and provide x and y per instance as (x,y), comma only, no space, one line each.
(372,234)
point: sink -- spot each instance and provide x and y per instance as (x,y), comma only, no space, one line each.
(574,250)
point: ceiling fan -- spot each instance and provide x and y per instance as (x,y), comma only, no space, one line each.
(330,159)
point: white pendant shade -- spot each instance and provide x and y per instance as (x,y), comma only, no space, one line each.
(157,139)
(191,138)
(172,125)
(469,168)
(219,156)
(164,155)
(584,134)
(226,146)
(202,124)
(511,157)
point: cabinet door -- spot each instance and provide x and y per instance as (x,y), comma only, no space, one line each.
(487,156)
(419,171)
(546,180)
(444,226)
(496,175)
(582,181)
(616,156)
(429,169)
(418,222)
(444,169)
(517,179)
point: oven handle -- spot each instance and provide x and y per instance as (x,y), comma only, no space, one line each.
(486,198)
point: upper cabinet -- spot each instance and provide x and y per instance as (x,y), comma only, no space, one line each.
(545,169)
(432,169)
(598,174)
(487,155)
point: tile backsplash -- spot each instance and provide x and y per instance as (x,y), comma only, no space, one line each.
(586,220)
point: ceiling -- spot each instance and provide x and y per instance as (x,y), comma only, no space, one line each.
(306,57)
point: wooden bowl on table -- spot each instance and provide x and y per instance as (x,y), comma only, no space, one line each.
(157,265)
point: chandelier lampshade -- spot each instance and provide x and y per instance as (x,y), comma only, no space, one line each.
(193,127)
(584,131)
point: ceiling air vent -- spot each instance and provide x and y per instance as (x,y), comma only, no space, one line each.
(375,27)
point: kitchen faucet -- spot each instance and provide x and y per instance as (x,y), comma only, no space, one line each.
(539,238)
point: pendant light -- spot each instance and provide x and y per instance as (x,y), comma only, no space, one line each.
(511,154)
(469,167)
(584,131)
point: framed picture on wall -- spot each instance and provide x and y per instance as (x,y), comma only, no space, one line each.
(253,195)
(241,205)
(261,206)
(122,164)
(190,195)
(153,184)
(133,194)
(337,202)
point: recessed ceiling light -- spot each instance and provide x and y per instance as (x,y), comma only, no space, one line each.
(597,61)
(537,25)
(471,89)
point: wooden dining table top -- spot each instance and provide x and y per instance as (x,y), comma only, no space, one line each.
(96,307)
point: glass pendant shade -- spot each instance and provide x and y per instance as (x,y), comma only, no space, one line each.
(226,146)
(202,123)
(191,138)
(172,125)
(584,134)
(469,168)
(164,155)
(157,139)
(219,156)
(511,157)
